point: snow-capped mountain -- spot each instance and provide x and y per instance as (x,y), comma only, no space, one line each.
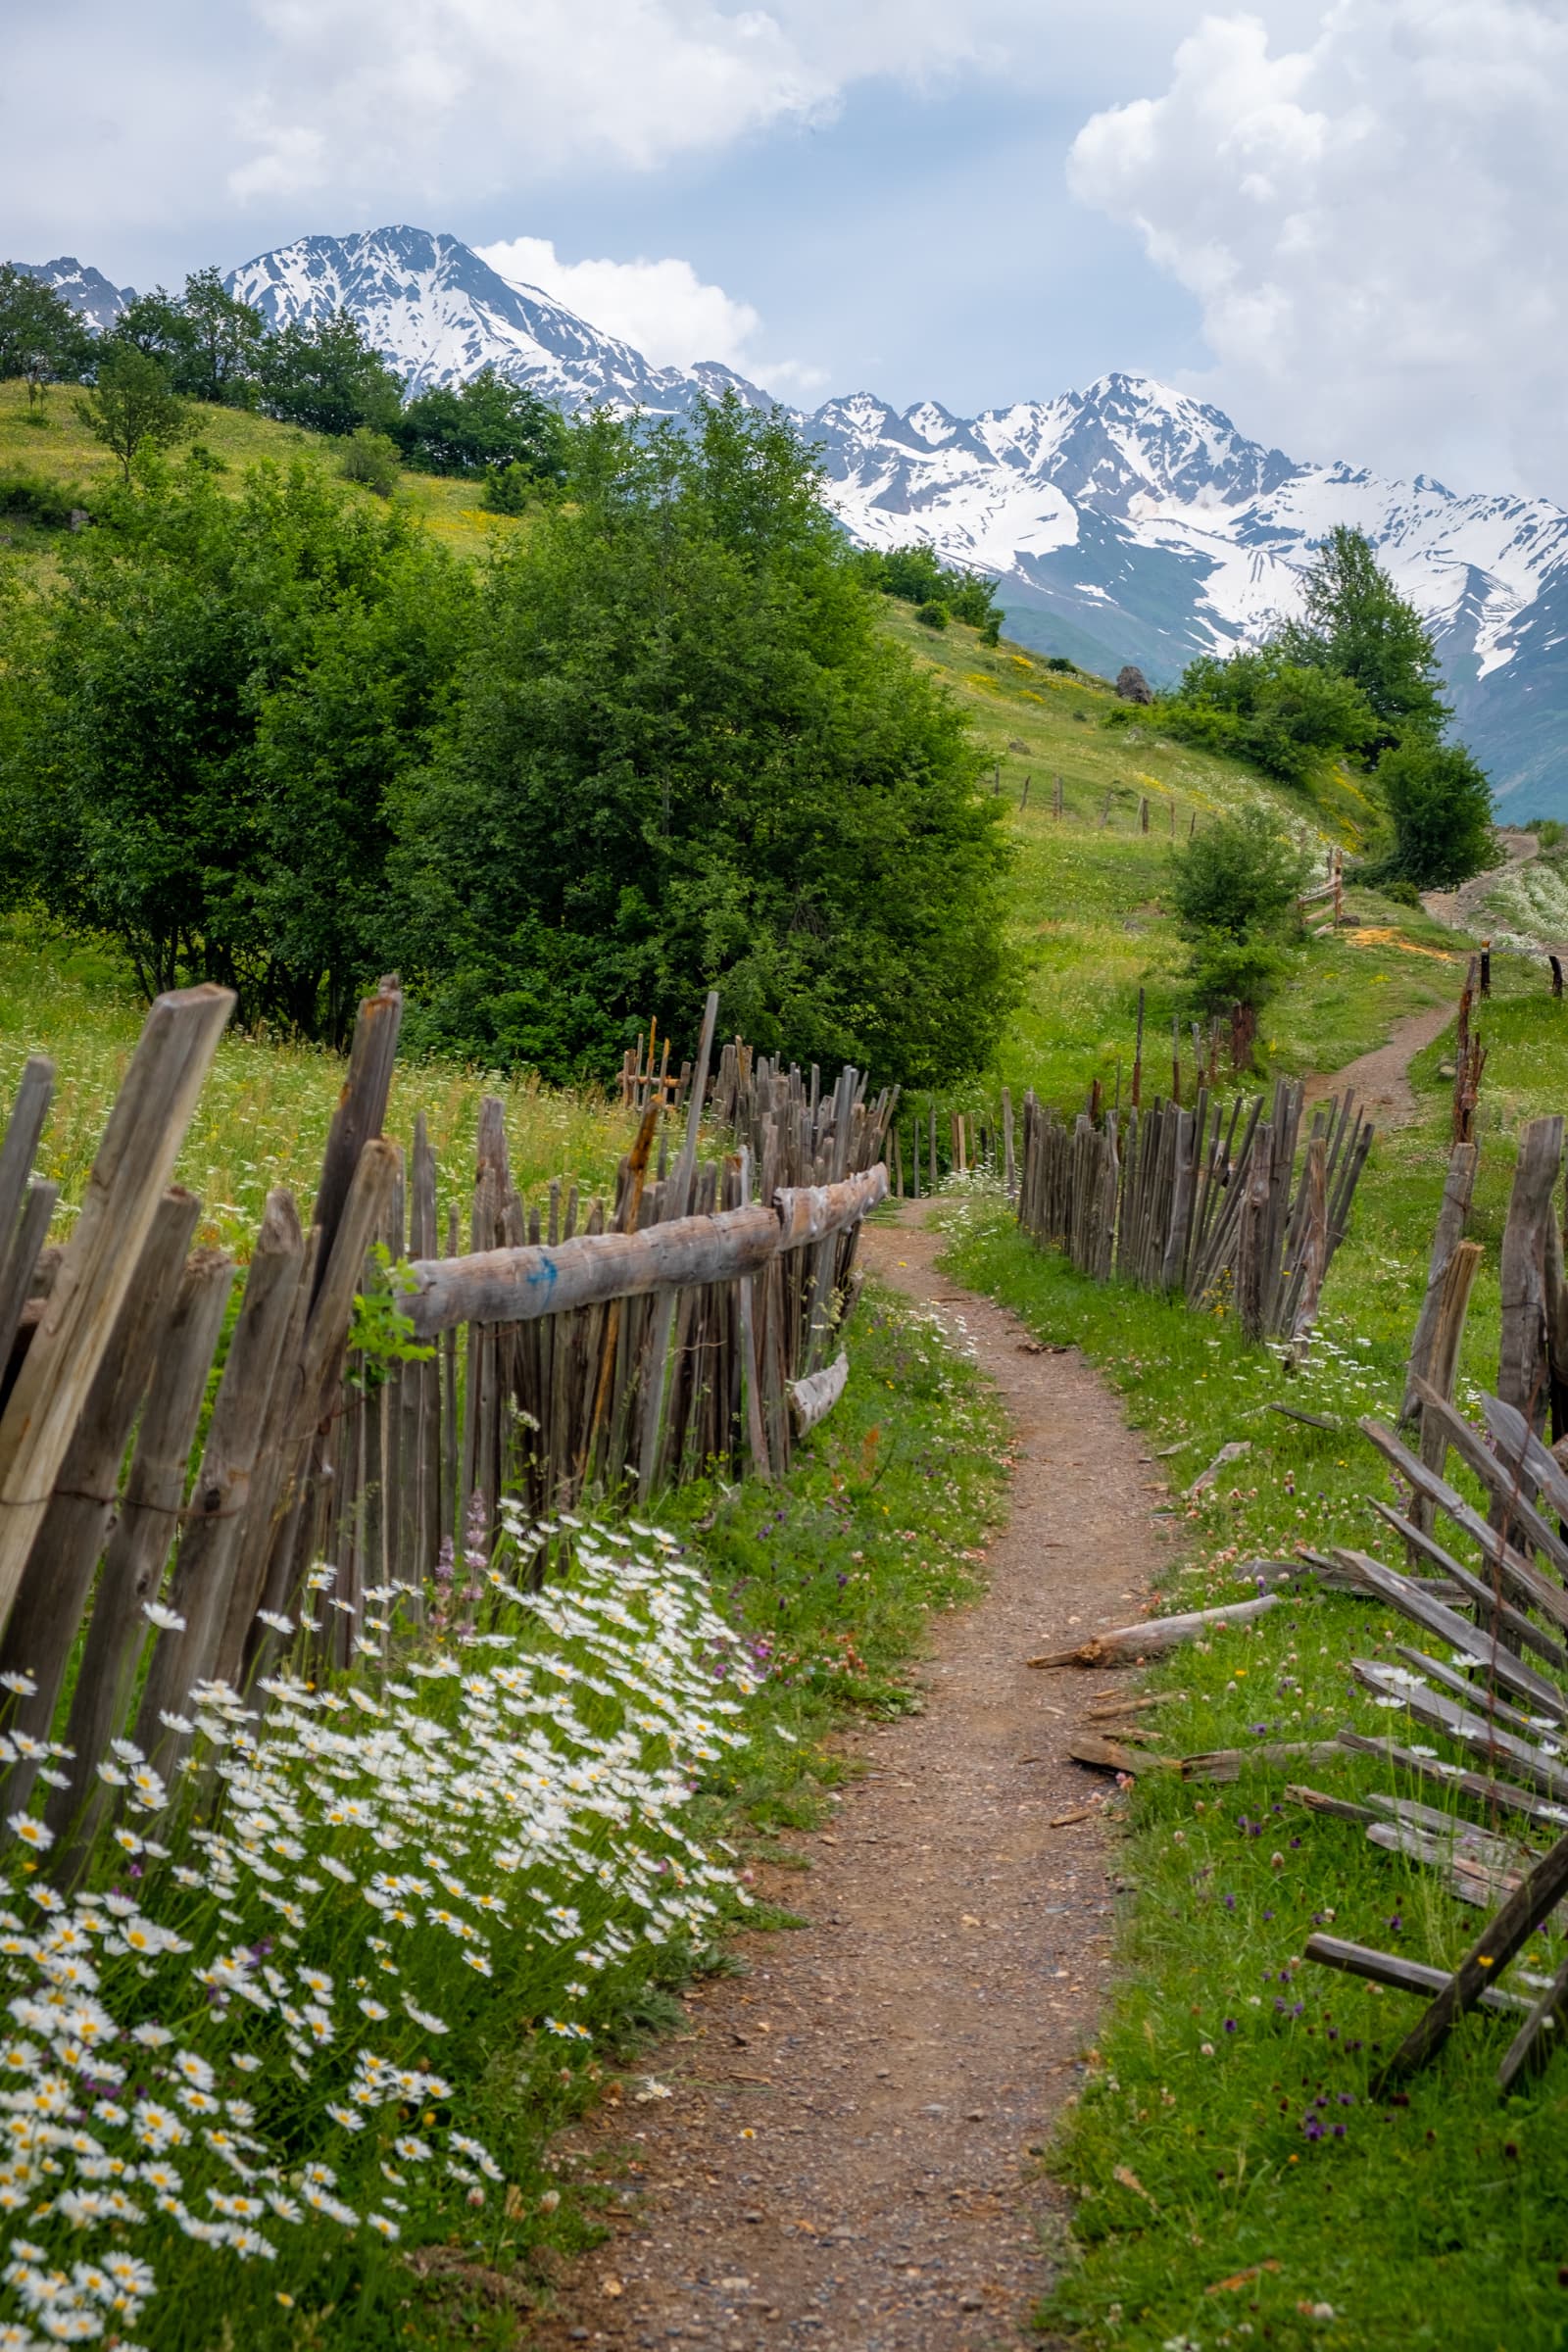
(1125,522)
(87,290)
(1128,522)
(441,314)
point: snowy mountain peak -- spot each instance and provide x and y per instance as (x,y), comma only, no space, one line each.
(1124,523)
(440,314)
(87,290)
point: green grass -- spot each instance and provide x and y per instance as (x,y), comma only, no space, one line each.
(1441,2221)
(1089,921)
(264,1112)
(65,450)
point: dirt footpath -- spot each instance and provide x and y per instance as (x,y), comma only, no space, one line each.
(1380,1080)
(846,2157)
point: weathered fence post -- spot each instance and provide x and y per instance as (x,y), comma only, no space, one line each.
(1529,1272)
(135,1159)
(1438,1369)
(1453,1214)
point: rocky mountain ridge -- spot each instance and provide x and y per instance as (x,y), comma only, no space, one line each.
(1126,521)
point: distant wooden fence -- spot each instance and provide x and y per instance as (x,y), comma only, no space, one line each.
(571,1352)
(1199,1200)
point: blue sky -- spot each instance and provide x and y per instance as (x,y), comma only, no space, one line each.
(1339,219)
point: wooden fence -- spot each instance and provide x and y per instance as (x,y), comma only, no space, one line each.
(1489,1675)
(1171,1200)
(572,1350)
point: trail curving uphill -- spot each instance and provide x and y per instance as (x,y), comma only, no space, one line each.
(1380,1079)
(1455,907)
(848,2157)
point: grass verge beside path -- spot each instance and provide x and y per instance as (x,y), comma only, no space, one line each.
(1237,2184)
(832,1576)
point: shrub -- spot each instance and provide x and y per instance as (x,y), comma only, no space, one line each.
(932,615)
(34,498)
(370,459)
(1440,804)
(1223,970)
(1240,875)
(508,489)
(916,574)
(1062,663)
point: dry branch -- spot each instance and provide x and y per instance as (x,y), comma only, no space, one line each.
(1130,1645)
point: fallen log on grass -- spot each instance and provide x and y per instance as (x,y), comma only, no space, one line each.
(1109,1755)
(1130,1645)
(1227,1453)
(1228,1763)
(813,1399)
(1215,1764)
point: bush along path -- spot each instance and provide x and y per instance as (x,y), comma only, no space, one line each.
(842,2147)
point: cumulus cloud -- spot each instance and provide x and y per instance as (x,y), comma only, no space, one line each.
(663,307)
(1370,222)
(485,92)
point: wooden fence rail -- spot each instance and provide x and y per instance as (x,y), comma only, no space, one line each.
(1171,1200)
(575,1351)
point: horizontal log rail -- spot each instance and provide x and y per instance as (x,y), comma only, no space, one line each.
(523,1284)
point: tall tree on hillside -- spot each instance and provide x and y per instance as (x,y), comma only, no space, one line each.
(224,338)
(1357,624)
(326,375)
(1440,804)
(131,405)
(41,337)
(201,723)
(482,425)
(684,755)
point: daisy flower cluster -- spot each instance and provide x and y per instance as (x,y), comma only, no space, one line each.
(227,2037)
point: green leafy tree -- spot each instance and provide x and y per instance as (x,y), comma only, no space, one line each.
(41,337)
(326,373)
(211,344)
(203,722)
(223,342)
(486,426)
(155,325)
(1232,889)
(131,407)
(1284,715)
(916,574)
(683,755)
(1357,623)
(370,460)
(1440,802)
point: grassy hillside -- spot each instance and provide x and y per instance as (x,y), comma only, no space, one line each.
(1090,924)
(62,450)
(265,1110)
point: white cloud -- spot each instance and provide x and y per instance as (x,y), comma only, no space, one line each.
(661,308)
(664,309)
(485,93)
(1371,223)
